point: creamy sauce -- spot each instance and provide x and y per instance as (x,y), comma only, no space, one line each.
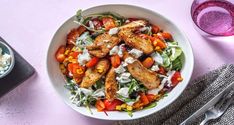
(136,53)
(157,58)
(113,31)
(84,57)
(124,78)
(155,68)
(123,92)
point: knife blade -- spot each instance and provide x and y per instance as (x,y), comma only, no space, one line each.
(208,105)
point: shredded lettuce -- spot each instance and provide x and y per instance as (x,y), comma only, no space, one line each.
(71,86)
(81,20)
(166,59)
(89,100)
(86,97)
(99,84)
(175,53)
(172,44)
(177,63)
(172,57)
(79,16)
(130,113)
(119,20)
(151,105)
(126,100)
(133,86)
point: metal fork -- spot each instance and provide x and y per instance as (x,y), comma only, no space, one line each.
(216,111)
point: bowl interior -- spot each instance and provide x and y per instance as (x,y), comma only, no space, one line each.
(59,38)
(6,49)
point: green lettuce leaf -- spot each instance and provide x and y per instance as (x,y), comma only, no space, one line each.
(175,53)
(177,64)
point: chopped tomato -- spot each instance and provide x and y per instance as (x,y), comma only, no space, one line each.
(70,67)
(160,43)
(108,23)
(60,56)
(155,43)
(148,62)
(110,105)
(115,61)
(161,70)
(145,36)
(155,29)
(144,99)
(92,62)
(167,36)
(77,79)
(100,105)
(158,36)
(74,54)
(138,105)
(176,78)
(76,69)
(151,97)
(151,38)
(97,23)
(74,33)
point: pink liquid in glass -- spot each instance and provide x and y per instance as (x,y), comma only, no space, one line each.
(215,17)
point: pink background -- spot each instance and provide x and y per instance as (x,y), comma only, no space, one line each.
(29,25)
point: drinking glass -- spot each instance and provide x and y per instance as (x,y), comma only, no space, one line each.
(214,17)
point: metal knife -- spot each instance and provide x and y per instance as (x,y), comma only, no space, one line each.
(209,104)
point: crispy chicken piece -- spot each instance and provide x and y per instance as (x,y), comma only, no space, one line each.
(103,44)
(147,77)
(134,25)
(92,75)
(126,33)
(111,84)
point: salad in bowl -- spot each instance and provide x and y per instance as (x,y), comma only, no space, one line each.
(117,63)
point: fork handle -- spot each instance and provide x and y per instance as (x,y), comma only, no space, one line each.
(204,121)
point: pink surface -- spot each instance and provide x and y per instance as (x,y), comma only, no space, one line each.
(29,26)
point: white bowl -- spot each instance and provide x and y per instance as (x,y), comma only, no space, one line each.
(8,50)
(59,39)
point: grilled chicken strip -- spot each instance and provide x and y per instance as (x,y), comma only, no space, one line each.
(126,33)
(111,86)
(103,44)
(147,77)
(92,75)
(133,25)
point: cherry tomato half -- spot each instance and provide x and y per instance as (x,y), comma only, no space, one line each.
(110,105)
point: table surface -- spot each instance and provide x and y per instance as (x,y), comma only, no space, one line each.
(29,25)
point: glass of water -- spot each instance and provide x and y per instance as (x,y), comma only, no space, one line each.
(214,17)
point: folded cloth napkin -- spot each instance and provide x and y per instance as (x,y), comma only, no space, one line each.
(198,93)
